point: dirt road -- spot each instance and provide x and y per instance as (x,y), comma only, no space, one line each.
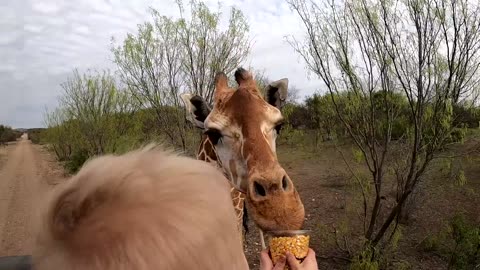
(26,175)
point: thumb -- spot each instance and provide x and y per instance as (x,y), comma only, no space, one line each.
(292,262)
(280,264)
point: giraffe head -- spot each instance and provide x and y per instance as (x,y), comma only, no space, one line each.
(243,127)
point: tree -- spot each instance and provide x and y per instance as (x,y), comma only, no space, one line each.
(60,134)
(149,64)
(170,56)
(94,117)
(425,50)
(322,114)
(208,49)
(99,109)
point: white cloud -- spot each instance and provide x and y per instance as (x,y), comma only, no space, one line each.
(47,7)
(42,41)
(81,29)
(8,38)
(34,28)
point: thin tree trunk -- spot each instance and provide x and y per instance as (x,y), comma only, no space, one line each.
(376,208)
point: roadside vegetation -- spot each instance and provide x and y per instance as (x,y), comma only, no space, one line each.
(397,118)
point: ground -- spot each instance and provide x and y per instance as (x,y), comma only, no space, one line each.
(324,183)
(28,171)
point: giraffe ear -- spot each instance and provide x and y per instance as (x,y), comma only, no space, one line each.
(197,109)
(276,93)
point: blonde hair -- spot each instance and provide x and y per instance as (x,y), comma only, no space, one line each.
(147,209)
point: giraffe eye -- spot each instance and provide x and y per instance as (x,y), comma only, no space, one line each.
(214,135)
(278,127)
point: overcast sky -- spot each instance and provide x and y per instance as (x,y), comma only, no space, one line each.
(42,41)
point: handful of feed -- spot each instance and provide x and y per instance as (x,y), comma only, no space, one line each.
(296,242)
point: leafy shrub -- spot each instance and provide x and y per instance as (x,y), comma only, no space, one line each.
(466,116)
(365,261)
(297,116)
(291,136)
(7,134)
(431,243)
(76,161)
(466,251)
(459,242)
(457,135)
(392,107)
(35,135)
(400,127)
(322,114)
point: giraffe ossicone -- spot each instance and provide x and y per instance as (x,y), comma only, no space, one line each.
(239,138)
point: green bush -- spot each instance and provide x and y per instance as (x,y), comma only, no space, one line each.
(365,261)
(459,242)
(95,117)
(35,135)
(431,243)
(7,134)
(297,116)
(466,250)
(466,116)
(457,135)
(291,136)
(322,114)
(76,161)
(393,106)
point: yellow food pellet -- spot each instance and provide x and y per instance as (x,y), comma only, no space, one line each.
(297,245)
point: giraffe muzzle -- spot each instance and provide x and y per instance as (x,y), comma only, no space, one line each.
(275,204)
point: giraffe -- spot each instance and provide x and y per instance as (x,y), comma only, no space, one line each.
(239,139)
(206,152)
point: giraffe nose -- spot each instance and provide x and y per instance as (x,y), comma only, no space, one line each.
(259,189)
(262,187)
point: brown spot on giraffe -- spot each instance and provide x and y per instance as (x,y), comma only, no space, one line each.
(243,127)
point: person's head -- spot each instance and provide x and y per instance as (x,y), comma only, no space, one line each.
(147,209)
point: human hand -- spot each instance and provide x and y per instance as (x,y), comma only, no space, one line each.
(309,263)
(267,264)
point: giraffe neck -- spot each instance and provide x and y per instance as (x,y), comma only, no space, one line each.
(207,153)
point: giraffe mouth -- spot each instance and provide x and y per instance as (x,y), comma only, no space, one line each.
(279,212)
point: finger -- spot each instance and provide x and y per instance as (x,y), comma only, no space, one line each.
(310,255)
(311,260)
(281,263)
(292,261)
(265,261)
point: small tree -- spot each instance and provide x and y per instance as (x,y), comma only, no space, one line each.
(150,66)
(60,134)
(100,110)
(425,50)
(170,56)
(94,117)
(208,49)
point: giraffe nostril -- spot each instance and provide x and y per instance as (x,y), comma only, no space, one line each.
(259,190)
(284,183)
